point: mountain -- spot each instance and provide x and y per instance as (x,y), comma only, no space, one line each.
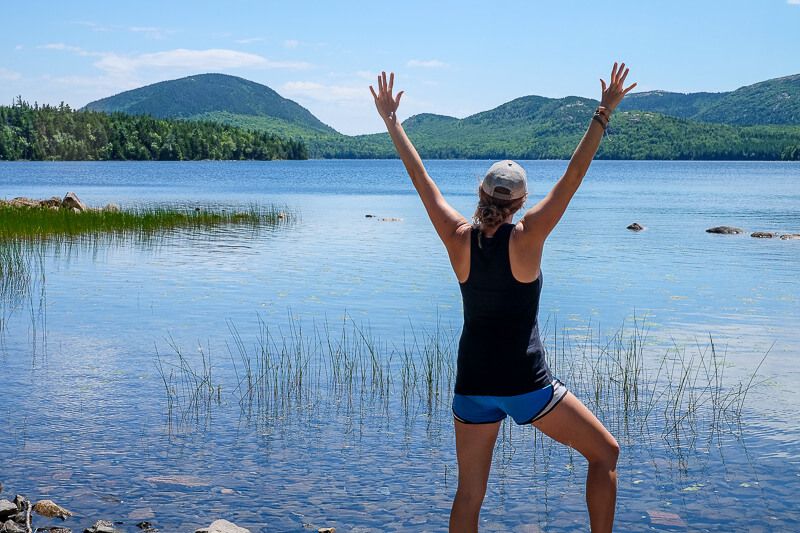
(771,102)
(760,121)
(216,97)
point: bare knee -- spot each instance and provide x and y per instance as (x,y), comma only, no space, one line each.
(470,495)
(605,454)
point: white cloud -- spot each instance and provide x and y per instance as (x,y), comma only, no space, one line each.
(291,43)
(250,40)
(793,2)
(426,63)
(67,48)
(9,75)
(19,47)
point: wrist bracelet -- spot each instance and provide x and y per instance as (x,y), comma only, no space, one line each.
(596,117)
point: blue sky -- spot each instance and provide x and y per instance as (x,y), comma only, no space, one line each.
(452,57)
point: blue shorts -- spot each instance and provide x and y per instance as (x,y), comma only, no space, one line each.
(523,408)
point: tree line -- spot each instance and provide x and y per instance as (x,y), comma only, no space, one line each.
(43,132)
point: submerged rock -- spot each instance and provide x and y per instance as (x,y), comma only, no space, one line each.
(635,227)
(50,509)
(146,527)
(725,230)
(222,526)
(763,234)
(790,236)
(53,529)
(71,201)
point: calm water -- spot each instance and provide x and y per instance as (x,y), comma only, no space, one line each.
(86,419)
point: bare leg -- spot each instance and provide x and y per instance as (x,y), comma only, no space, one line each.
(571,423)
(474,447)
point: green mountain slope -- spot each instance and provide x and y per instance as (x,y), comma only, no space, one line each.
(775,102)
(214,97)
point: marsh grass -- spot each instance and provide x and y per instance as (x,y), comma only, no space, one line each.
(638,388)
(40,223)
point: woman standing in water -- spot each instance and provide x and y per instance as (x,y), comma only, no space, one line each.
(501,368)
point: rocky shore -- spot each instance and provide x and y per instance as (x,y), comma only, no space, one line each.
(70,201)
(18,516)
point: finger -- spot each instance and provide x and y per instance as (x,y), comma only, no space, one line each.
(619,73)
(602,84)
(614,73)
(624,75)
(380,85)
(628,89)
(384,79)
(397,100)
(391,82)
(375,96)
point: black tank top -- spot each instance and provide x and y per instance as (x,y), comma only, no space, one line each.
(500,352)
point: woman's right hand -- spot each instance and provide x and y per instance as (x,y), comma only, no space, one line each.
(614,92)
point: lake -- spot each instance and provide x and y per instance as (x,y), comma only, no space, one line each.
(296,376)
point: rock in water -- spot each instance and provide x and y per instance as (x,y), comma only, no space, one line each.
(12,527)
(50,509)
(790,236)
(326,530)
(763,234)
(635,227)
(72,201)
(101,526)
(7,509)
(222,526)
(725,230)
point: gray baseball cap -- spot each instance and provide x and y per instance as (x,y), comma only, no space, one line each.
(506,180)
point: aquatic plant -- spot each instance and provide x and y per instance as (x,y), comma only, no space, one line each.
(45,223)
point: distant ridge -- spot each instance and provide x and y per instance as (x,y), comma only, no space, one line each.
(759,121)
(219,97)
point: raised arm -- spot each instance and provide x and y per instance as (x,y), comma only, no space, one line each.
(445,219)
(540,219)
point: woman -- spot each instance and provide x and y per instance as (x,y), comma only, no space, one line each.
(501,368)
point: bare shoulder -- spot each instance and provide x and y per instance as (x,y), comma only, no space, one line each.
(459,251)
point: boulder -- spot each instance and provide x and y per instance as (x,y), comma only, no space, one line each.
(53,529)
(763,234)
(72,201)
(146,527)
(222,526)
(111,208)
(21,502)
(635,227)
(50,509)
(21,201)
(326,530)
(7,509)
(55,201)
(101,526)
(790,236)
(725,230)
(12,527)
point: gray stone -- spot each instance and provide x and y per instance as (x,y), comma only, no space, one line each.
(114,208)
(101,526)
(21,501)
(635,227)
(725,230)
(763,234)
(7,508)
(790,236)
(53,530)
(72,201)
(222,526)
(12,527)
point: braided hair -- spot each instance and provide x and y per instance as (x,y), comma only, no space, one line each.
(491,211)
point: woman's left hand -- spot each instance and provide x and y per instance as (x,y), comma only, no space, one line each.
(386,104)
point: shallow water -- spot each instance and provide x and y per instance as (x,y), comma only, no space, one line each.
(86,415)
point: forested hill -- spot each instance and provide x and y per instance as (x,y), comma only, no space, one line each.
(757,122)
(217,97)
(59,133)
(771,102)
